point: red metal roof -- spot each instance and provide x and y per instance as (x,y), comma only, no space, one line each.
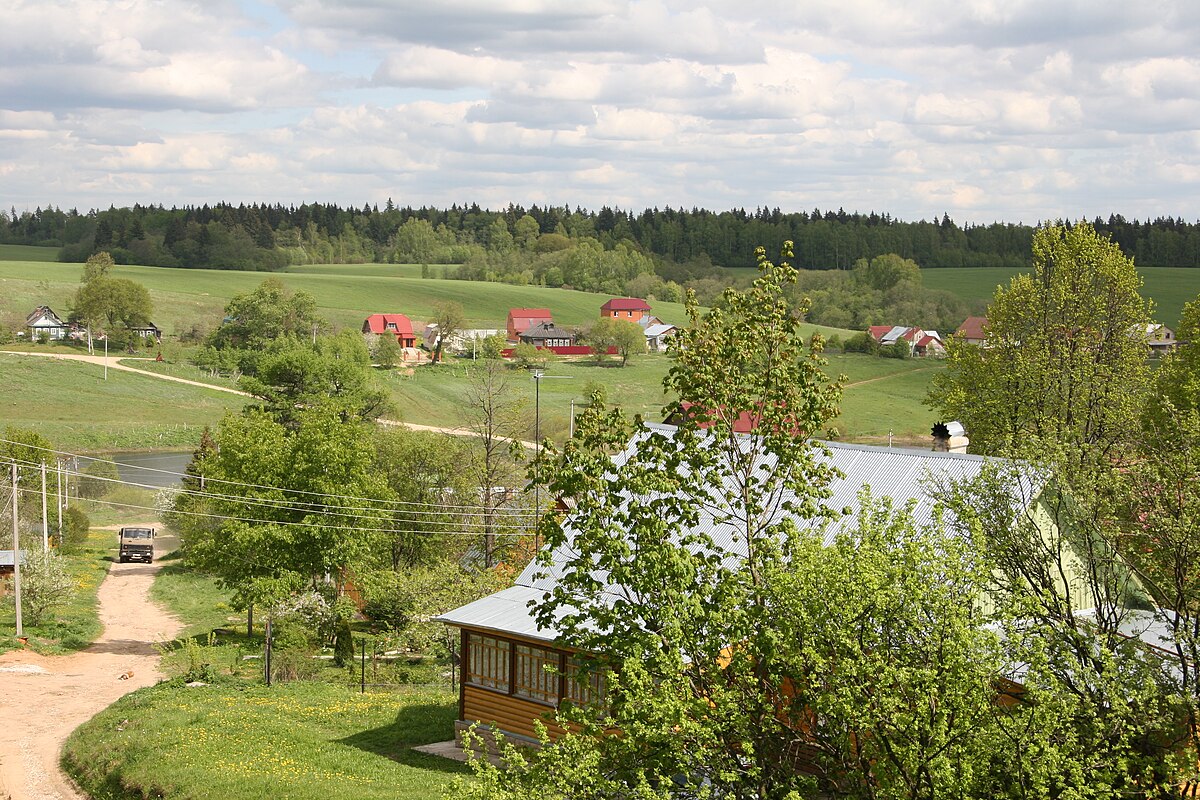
(877,331)
(529,313)
(972,328)
(378,323)
(626,304)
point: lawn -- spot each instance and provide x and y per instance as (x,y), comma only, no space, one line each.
(75,408)
(303,741)
(194,597)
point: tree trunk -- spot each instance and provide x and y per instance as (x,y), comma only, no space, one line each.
(250,620)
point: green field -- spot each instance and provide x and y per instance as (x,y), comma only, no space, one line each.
(75,408)
(345,294)
(25,252)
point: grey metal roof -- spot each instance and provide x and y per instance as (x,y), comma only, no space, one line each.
(658,330)
(901,474)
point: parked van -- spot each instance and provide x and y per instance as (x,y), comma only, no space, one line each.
(137,544)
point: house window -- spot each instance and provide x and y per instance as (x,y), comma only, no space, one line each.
(487,662)
(583,687)
(536,675)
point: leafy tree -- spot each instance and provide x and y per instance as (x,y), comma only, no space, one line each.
(98,265)
(886,271)
(624,335)
(1065,360)
(387,351)
(108,302)
(529,356)
(293,375)
(526,232)
(270,312)
(450,319)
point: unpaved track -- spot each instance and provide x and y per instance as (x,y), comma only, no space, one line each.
(56,694)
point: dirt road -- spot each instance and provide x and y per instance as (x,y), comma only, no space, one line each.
(114,362)
(44,698)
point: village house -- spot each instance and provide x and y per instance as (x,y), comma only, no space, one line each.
(460,341)
(629,308)
(920,342)
(658,335)
(398,325)
(1160,338)
(522,319)
(42,321)
(506,653)
(971,331)
(547,334)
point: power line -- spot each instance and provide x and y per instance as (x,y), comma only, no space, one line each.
(207,479)
(117,504)
(282,504)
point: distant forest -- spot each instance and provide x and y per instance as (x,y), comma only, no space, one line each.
(683,244)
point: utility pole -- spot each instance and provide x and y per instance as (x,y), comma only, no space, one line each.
(58,499)
(105,356)
(16,537)
(45,520)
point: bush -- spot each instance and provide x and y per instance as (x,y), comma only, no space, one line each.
(861,343)
(97,480)
(293,664)
(343,644)
(897,349)
(833,343)
(74,529)
(290,633)
(45,585)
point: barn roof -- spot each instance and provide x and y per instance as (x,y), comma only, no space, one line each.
(378,323)
(972,328)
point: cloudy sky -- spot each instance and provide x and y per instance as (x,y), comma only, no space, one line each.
(998,109)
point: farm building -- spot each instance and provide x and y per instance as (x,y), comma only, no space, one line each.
(460,341)
(547,334)
(1160,338)
(630,308)
(505,652)
(920,342)
(522,319)
(43,321)
(658,335)
(397,324)
(972,330)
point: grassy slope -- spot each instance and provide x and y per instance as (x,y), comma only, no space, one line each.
(345,294)
(71,405)
(24,252)
(299,740)
(869,410)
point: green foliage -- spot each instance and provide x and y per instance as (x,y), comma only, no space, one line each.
(492,347)
(271,311)
(45,585)
(450,319)
(343,644)
(75,528)
(898,349)
(862,342)
(1065,361)
(886,271)
(98,265)
(528,356)
(110,302)
(387,351)
(625,335)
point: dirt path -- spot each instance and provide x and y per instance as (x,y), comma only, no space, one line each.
(114,362)
(44,698)
(885,377)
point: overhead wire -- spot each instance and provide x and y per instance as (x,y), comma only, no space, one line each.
(207,479)
(255,520)
(281,504)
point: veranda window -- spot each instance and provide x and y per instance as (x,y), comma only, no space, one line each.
(487,662)
(536,675)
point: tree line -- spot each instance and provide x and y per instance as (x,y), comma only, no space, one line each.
(683,243)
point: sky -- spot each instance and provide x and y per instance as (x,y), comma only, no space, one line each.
(1009,110)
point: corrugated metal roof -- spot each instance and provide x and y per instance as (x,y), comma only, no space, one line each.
(6,557)
(658,330)
(902,474)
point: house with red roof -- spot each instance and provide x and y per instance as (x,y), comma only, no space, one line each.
(397,324)
(522,319)
(630,308)
(920,342)
(971,331)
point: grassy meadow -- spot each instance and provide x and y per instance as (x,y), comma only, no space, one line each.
(72,405)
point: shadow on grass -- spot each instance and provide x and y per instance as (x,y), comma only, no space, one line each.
(420,723)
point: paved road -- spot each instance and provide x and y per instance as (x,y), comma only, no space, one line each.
(44,698)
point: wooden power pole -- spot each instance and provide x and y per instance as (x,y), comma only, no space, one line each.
(16,553)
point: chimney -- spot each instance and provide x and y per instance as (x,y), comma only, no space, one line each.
(950,437)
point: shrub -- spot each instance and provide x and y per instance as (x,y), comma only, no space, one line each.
(897,349)
(290,633)
(833,343)
(861,343)
(75,528)
(293,664)
(343,644)
(45,585)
